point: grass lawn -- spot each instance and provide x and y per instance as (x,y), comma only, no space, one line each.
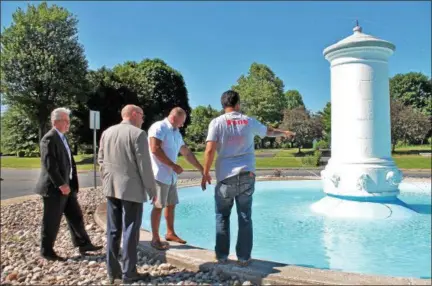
(84,162)
(413,162)
(271,158)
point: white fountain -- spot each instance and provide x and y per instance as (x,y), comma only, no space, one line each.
(361,179)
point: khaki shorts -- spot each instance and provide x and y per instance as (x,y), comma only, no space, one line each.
(166,195)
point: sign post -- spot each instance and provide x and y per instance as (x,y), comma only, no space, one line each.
(95,125)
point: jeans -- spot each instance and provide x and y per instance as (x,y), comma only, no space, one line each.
(239,188)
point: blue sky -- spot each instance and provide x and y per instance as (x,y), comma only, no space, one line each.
(213,43)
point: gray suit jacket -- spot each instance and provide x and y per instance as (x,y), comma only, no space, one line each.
(125,165)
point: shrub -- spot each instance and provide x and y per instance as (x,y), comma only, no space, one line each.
(312,160)
(85,149)
(317,157)
(192,146)
(200,147)
(307,160)
(322,144)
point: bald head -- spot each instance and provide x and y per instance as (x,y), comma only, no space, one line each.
(177,117)
(177,111)
(134,114)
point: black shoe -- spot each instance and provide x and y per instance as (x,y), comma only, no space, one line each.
(53,257)
(112,280)
(89,247)
(135,278)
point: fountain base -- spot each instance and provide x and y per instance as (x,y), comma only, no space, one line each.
(362,208)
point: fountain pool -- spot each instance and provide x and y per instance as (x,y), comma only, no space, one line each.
(287,230)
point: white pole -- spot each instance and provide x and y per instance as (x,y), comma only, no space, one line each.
(94,148)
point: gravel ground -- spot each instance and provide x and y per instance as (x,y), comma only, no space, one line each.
(21,263)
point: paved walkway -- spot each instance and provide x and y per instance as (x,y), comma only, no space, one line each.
(19,182)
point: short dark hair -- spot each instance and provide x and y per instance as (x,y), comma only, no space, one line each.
(230,98)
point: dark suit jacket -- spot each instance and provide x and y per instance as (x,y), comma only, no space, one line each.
(55,166)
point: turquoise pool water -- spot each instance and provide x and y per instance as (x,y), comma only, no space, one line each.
(287,231)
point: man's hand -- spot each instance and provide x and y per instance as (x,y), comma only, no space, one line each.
(289,134)
(205,179)
(65,189)
(178,169)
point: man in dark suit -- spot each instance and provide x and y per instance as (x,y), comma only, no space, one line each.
(58,186)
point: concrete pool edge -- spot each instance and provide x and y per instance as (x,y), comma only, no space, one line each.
(260,271)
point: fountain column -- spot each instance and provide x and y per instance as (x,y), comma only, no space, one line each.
(361,167)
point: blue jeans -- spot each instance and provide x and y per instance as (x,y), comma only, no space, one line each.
(239,188)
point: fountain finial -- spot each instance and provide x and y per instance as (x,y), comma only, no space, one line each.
(357,28)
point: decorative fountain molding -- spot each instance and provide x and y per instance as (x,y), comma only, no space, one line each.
(361,173)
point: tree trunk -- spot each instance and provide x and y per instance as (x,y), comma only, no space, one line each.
(393,147)
(42,129)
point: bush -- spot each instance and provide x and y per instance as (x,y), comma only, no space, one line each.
(29,151)
(322,144)
(20,154)
(200,147)
(307,160)
(192,146)
(85,149)
(312,160)
(285,145)
(317,157)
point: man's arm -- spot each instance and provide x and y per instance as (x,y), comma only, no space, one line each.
(273,132)
(156,149)
(209,155)
(50,162)
(144,166)
(101,151)
(190,157)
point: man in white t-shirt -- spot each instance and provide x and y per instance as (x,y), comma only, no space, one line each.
(232,136)
(166,142)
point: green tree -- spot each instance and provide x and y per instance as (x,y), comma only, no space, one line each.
(413,89)
(408,124)
(293,99)
(261,94)
(306,125)
(159,88)
(42,63)
(201,116)
(18,134)
(325,115)
(108,96)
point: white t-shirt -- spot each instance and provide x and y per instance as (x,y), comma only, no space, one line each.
(234,134)
(172,141)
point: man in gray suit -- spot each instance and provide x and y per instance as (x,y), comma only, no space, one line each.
(128,182)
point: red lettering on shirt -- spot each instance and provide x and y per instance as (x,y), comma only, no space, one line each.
(237,122)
